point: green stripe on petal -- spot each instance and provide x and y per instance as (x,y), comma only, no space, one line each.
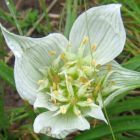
(59,126)
(124,80)
(105,29)
(43,101)
(32,54)
(96,112)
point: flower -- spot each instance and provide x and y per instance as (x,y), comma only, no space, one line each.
(73,79)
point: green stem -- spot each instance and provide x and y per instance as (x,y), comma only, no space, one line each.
(105,111)
(11,9)
(110,127)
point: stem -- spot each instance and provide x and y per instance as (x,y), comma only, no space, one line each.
(110,127)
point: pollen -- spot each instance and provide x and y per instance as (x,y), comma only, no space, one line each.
(55,92)
(54,86)
(53,100)
(69,78)
(78,112)
(62,56)
(52,52)
(85,40)
(40,82)
(94,62)
(89,100)
(83,80)
(63,110)
(93,47)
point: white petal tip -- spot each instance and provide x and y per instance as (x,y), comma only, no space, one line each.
(115,6)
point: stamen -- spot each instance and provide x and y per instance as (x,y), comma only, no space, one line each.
(63,110)
(54,86)
(40,82)
(93,47)
(78,112)
(53,100)
(98,66)
(86,68)
(94,62)
(52,53)
(85,40)
(69,79)
(89,100)
(62,56)
(55,92)
(83,80)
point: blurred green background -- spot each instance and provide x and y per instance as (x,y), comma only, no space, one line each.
(38,18)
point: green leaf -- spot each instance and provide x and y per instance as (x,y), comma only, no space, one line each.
(121,124)
(3,118)
(133,64)
(71,10)
(6,73)
(131,104)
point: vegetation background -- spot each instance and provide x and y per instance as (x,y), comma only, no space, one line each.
(38,18)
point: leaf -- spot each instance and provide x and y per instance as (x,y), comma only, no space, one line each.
(133,64)
(3,118)
(71,8)
(121,124)
(131,104)
(6,73)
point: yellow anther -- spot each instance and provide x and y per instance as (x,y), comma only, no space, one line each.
(83,80)
(57,86)
(109,67)
(97,88)
(62,56)
(85,40)
(54,86)
(53,100)
(89,100)
(78,112)
(94,62)
(55,92)
(63,110)
(98,66)
(52,52)
(85,68)
(93,47)
(40,82)
(69,78)
(56,78)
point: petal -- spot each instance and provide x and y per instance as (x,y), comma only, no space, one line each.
(59,126)
(31,55)
(43,100)
(124,80)
(103,25)
(96,112)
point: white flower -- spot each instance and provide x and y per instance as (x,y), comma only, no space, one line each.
(70,78)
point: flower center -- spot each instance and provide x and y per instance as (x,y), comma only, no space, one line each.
(72,81)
